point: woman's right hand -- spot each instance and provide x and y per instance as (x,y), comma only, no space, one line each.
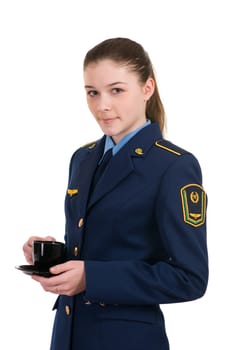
(27,247)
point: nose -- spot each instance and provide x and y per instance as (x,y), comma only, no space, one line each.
(104,104)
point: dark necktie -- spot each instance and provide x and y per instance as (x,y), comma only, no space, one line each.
(101,167)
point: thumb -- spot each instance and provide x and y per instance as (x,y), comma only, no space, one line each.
(57,269)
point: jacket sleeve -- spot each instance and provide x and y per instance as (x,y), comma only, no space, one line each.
(182,273)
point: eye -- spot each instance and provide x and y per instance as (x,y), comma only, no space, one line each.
(92,93)
(116,90)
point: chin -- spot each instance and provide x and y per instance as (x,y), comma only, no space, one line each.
(109,131)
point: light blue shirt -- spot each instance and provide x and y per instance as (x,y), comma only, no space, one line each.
(109,143)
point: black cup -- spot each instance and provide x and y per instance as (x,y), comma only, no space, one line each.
(47,253)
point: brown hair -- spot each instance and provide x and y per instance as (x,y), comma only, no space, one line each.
(124,50)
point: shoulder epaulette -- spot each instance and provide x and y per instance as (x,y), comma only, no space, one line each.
(170,147)
(90,145)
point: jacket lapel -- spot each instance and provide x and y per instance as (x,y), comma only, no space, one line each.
(120,167)
(88,167)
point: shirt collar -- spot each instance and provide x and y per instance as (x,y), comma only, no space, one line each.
(109,143)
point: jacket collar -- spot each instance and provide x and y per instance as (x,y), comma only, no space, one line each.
(122,164)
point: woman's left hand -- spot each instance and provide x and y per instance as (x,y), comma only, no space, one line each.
(68,279)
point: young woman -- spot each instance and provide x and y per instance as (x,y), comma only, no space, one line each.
(135,224)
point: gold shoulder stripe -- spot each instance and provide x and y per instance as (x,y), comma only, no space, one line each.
(90,145)
(93,145)
(162,145)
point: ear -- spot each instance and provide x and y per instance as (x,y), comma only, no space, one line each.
(149,88)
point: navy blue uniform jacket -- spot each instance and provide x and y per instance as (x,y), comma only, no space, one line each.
(142,235)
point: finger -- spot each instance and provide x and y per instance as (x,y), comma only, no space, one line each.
(60,268)
(49,238)
(29,258)
(27,250)
(57,290)
(51,284)
(28,244)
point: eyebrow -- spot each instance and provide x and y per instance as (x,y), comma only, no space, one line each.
(111,84)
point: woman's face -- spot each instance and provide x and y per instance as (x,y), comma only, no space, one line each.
(116,98)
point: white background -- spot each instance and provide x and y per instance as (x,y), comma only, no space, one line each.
(44,118)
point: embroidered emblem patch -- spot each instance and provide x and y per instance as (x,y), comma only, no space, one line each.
(193,199)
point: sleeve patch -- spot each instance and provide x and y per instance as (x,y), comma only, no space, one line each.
(193,199)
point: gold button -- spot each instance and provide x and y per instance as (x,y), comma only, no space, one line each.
(67,310)
(102,304)
(75,251)
(139,151)
(87,302)
(80,222)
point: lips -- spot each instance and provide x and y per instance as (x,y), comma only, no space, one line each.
(108,120)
